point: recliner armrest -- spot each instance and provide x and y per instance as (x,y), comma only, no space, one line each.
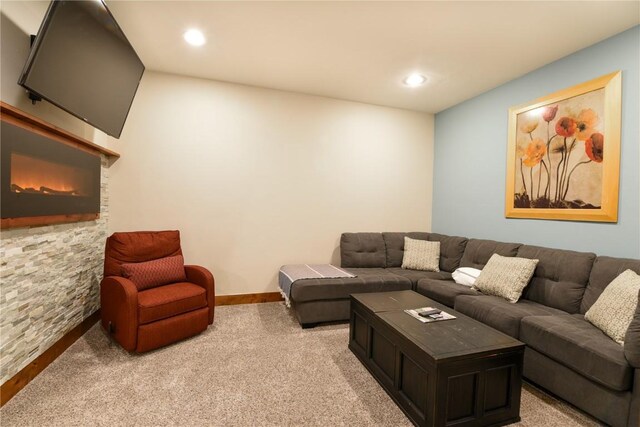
(119,307)
(203,278)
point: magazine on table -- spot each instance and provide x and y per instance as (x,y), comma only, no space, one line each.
(429,314)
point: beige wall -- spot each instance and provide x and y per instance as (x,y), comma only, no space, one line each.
(253,178)
(256,178)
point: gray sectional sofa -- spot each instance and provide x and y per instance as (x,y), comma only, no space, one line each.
(565,354)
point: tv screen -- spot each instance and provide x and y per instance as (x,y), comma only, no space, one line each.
(82,62)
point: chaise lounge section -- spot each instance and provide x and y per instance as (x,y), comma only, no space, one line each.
(376,260)
(565,353)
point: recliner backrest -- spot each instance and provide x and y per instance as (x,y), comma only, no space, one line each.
(139,246)
(604,270)
(560,278)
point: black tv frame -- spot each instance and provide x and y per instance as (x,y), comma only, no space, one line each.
(35,46)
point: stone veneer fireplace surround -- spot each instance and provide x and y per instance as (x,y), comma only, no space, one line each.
(49,274)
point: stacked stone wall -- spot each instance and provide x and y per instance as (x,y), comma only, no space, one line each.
(49,283)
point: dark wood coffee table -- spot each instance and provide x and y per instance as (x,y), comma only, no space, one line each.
(456,372)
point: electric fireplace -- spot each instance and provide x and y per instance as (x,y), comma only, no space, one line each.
(46,176)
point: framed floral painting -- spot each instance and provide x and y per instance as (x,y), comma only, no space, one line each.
(563,157)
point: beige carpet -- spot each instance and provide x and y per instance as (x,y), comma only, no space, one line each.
(254,367)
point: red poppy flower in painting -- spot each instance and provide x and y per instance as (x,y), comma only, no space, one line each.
(594,147)
(549,113)
(566,127)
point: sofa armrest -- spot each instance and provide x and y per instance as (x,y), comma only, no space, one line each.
(119,306)
(634,407)
(632,339)
(203,278)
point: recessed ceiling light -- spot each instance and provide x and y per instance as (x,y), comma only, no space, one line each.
(194,37)
(415,80)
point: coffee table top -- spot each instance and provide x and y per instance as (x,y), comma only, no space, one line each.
(448,339)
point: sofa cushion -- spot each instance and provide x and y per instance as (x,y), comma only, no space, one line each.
(362,250)
(560,277)
(632,339)
(478,252)
(604,270)
(500,313)
(577,344)
(154,273)
(451,250)
(421,255)
(614,310)
(443,291)
(394,245)
(139,246)
(169,300)
(505,277)
(367,280)
(417,275)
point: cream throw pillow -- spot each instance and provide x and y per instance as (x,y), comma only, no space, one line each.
(613,310)
(421,255)
(505,277)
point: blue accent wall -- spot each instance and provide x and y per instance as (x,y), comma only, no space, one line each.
(471,149)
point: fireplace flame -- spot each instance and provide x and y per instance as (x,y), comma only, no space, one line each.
(38,176)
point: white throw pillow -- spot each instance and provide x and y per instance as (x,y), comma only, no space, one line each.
(421,255)
(466,276)
(505,277)
(613,310)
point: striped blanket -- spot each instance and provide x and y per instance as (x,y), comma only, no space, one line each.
(291,273)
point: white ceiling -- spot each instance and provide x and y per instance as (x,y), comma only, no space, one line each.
(362,50)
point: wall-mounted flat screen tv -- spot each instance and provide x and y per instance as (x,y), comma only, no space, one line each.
(82,62)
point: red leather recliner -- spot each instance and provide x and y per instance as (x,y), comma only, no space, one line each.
(143,320)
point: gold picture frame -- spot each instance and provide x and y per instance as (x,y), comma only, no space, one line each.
(563,154)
